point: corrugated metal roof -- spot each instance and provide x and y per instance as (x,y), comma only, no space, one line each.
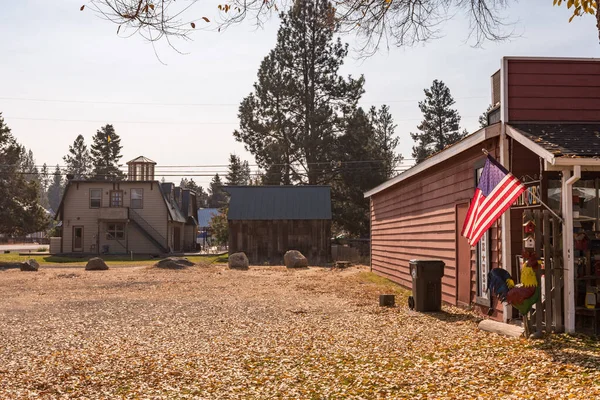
(205,215)
(279,202)
(141,159)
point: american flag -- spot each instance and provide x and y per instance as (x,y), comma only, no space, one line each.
(498,189)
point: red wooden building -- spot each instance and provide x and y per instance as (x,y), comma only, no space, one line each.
(545,129)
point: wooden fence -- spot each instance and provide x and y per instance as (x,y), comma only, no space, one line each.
(548,314)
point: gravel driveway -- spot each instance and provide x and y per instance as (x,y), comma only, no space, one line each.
(210,332)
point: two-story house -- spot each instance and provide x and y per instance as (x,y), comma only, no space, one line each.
(139,215)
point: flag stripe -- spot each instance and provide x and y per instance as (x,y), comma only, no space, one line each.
(471,213)
(494,214)
(498,189)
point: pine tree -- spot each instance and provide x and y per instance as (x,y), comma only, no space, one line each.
(359,169)
(79,160)
(201,195)
(239,171)
(440,125)
(106,153)
(384,127)
(483,118)
(20,211)
(44,182)
(292,119)
(55,190)
(217,197)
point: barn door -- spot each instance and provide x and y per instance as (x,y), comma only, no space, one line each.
(463,259)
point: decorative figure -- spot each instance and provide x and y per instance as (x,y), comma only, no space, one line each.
(522,296)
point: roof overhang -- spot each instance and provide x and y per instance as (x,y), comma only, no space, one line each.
(552,162)
(472,140)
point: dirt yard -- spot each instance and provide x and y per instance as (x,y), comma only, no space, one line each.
(210,332)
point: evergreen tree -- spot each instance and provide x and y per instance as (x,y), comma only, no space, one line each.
(239,172)
(359,169)
(44,182)
(55,190)
(483,118)
(20,211)
(79,160)
(27,165)
(384,127)
(292,119)
(201,195)
(440,125)
(106,153)
(217,197)
(44,177)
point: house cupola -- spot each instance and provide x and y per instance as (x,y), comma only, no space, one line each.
(141,169)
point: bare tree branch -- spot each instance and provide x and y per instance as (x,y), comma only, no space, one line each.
(376,23)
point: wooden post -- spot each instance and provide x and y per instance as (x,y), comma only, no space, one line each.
(539,306)
(557,272)
(548,261)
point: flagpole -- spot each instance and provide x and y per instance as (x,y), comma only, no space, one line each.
(535,196)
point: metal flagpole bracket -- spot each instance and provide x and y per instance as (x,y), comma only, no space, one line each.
(546,206)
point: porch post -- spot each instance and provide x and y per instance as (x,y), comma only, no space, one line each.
(569,264)
(505,221)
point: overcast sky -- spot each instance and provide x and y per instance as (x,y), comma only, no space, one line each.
(87,76)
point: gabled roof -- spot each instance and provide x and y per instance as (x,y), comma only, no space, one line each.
(454,149)
(141,159)
(564,139)
(205,215)
(279,202)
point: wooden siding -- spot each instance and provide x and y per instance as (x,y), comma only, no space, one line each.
(416,219)
(553,90)
(524,163)
(267,241)
(189,237)
(77,211)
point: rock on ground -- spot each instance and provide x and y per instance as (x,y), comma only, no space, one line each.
(96,264)
(238,261)
(295,259)
(174,263)
(29,265)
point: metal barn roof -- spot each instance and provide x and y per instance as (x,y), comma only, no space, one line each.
(279,202)
(205,215)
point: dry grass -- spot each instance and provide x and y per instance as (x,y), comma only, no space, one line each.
(210,332)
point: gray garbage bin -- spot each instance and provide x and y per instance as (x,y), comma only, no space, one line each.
(426,284)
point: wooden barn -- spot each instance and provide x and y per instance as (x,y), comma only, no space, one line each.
(545,129)
(267,221)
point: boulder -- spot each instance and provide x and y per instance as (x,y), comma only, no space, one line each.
(295,259)
(238,261)
(29,265)
(96,264)
(174,263)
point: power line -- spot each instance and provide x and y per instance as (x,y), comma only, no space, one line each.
(122,122)
(190,104)
(170,122)
(158,167)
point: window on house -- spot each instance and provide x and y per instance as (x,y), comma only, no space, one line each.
(116,198)
(137,198)
(95,198)
(115,231)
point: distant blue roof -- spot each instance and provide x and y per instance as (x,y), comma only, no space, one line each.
(279,202)
(205,215)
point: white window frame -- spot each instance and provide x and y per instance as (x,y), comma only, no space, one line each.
(132,200)
(94,198)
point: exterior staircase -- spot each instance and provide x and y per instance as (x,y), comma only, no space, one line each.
(148,231)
